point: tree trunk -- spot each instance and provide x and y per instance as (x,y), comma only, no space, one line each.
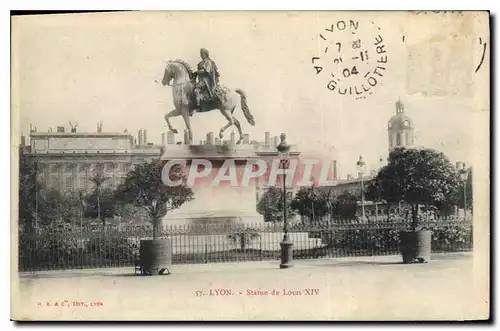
(154,221)
(414,223)
(98,206)
(154,229)
(242,242)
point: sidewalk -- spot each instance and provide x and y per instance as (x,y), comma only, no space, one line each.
(437,260)
(355,288)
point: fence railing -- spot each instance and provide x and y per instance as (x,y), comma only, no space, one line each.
(66,246)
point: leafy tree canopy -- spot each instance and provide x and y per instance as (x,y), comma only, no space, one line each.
(144,187)
(415,177)
(271,205)
(312,202)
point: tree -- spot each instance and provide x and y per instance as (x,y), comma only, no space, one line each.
(101,205)
(416,177)
(144,187)
(98,178)
(57,205)
(29,189)
(312,203)
(270,205)
(345,206)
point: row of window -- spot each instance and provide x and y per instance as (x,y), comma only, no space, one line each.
(82,183)
(108,167)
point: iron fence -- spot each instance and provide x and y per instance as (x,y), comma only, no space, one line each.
(66,246)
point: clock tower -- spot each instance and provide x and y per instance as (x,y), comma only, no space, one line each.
(400,128)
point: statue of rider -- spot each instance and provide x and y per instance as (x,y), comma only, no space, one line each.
(208,79)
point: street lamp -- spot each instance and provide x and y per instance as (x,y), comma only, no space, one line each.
(361,170)
(286,245)
(464,176)
(312,196)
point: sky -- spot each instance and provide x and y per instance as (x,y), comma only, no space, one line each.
(88,68)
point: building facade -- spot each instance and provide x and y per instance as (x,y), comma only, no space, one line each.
(67,159)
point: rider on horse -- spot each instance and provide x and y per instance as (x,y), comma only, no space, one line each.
(208,79)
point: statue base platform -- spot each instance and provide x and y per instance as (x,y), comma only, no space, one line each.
(220,204)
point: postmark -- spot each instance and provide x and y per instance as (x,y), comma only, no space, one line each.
(352,58)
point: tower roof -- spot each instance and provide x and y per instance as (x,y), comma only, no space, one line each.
(400,121)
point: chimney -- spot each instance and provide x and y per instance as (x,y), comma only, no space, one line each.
(186,137)
(349,177)
(276,141)
(334,169)
(140,140)
(210,138)
(60,129)
(458,165)
(145,136)
(267,139)
(233,138)
(170,138)
(246,138)
(23,140)
(99,127)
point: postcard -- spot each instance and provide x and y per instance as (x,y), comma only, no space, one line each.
(248,166)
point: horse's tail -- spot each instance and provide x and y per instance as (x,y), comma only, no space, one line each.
(244,107)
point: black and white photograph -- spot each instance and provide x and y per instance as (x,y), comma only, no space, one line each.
(250,166)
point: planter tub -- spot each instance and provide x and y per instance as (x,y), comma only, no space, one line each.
(155,256)
(415,247)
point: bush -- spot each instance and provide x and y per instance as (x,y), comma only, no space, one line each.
(446,237)
(452,237)
(55,245)
(114,250)
(244,237)
(365,240)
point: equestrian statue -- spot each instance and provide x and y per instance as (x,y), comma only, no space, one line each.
(200,92)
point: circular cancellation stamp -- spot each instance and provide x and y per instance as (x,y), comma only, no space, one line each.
(352,58)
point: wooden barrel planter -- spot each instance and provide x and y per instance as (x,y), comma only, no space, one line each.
(155,256)
(415,247)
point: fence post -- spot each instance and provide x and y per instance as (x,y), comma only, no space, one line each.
(260,246)
(206,248)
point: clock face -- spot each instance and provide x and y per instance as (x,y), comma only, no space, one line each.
(406,123)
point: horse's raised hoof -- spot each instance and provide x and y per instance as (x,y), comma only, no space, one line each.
(221,135)
(174,131)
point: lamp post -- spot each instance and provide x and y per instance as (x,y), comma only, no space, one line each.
(312,196)
(464,176)
(361,170)
(286,245)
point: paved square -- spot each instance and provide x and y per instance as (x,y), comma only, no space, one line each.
(364,288)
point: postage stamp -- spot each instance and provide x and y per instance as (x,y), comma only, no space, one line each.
(250,166)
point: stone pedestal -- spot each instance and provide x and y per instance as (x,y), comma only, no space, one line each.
(219,204)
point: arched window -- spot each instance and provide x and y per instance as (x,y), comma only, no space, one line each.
(398,139)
